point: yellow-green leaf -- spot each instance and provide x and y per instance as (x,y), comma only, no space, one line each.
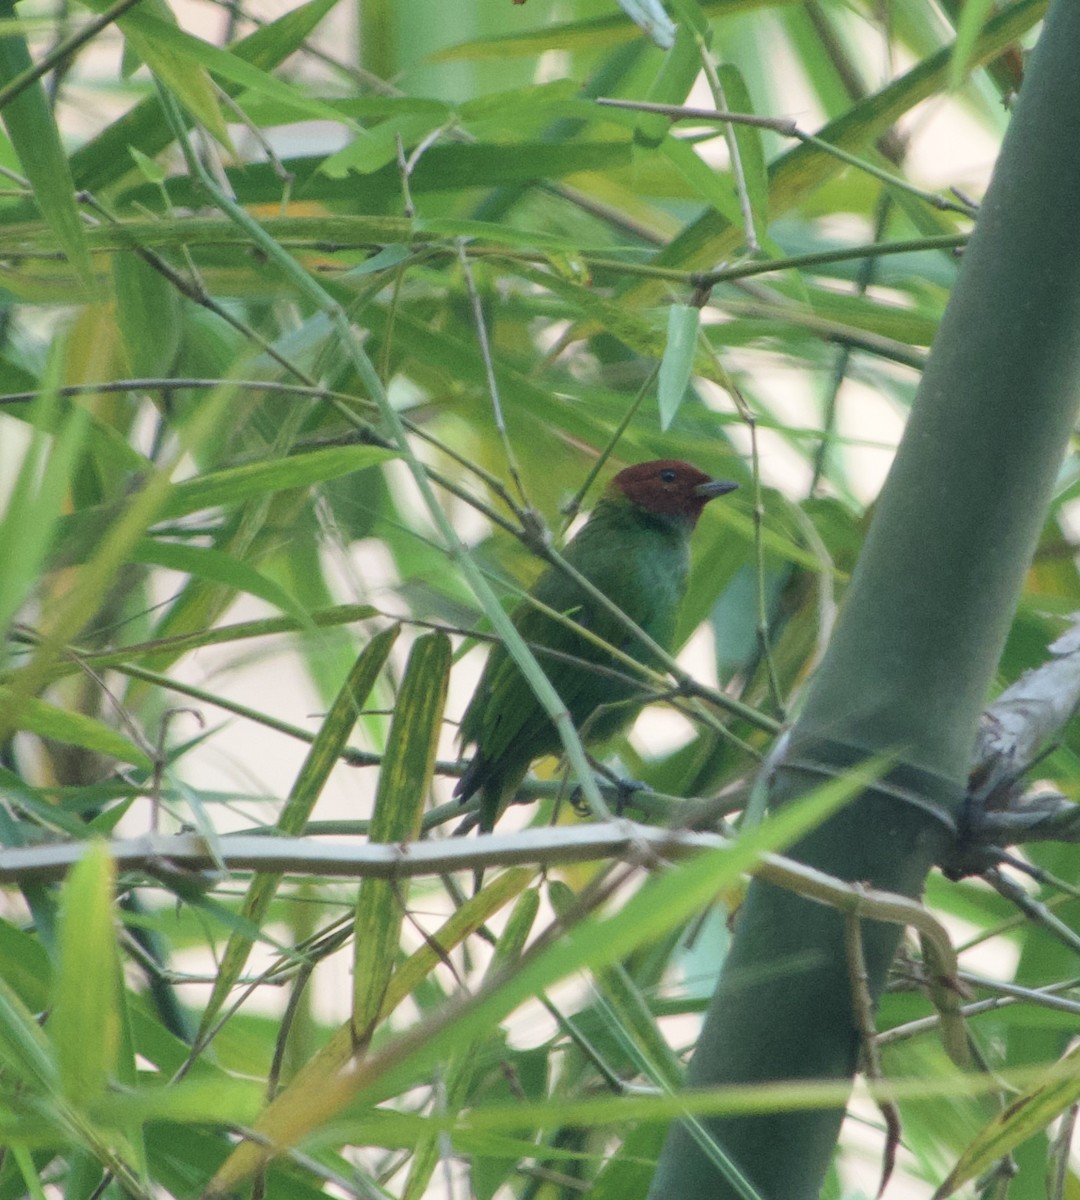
(323,1087)
(31,127)
(1027,1115)
(74,729)
(678,361)
(399,804)
(321,759)
(83,1025)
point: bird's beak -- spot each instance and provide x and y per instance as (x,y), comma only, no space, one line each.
(715,487)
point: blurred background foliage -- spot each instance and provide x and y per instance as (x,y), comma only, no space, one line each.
(205,508)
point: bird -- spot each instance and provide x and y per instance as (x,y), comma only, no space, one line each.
(635,549)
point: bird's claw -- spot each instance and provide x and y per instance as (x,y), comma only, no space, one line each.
(624,791)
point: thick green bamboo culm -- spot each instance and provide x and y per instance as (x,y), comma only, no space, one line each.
(914,652)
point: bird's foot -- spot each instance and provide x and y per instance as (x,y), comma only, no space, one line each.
(624,792)
(579,804)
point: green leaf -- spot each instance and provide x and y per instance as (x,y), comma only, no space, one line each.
(321,759)
(149,316)
(74,729)
(151,170)
(1026,1115)
(190,55)
(29,122)
(31,518)
(219,1100)
(233,485)
(678,361)
(216,566)
(104,159)
(594,33)
(372,149)
(24,1048)
(751,147)
(83,1025)
(404,780)
(973,16)
(154,40)
(672,85)
(714,187)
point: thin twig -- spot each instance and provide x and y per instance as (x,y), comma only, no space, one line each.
(573,506)
(764,643)
(863,1008)
(739,176)
(489,374)
(788,128)
(63,50)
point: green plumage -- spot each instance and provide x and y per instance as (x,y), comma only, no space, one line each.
(638,558)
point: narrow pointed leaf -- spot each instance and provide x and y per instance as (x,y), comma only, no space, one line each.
(148,37)
(149,315)
(973,17)
(755,172)
(25,1051)
(72,728)
(1026,1115)
(189,54)
(32,129)
(671,85)
(235,484)
(83,1025)
(217,566)
(321,759)
(678,360)
(105,159)
(403,786)
(315,1096)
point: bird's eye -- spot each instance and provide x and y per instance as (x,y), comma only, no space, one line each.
(669,475)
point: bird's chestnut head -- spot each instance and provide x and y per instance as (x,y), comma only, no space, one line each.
(668,487)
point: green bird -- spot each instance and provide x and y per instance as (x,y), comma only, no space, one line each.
(635,548)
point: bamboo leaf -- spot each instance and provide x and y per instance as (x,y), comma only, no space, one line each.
(104,159)
(84,1025)
(313,1096)
(755,172)
(973,17)
(30,125)
(191,57)
(217,566)
(24,1048)
(46,720)
(671,85)
(321,759)
(233,485)
(154,40)
(678,361)
(149,315)
(404,780)
(1026,1115)
(37,498)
